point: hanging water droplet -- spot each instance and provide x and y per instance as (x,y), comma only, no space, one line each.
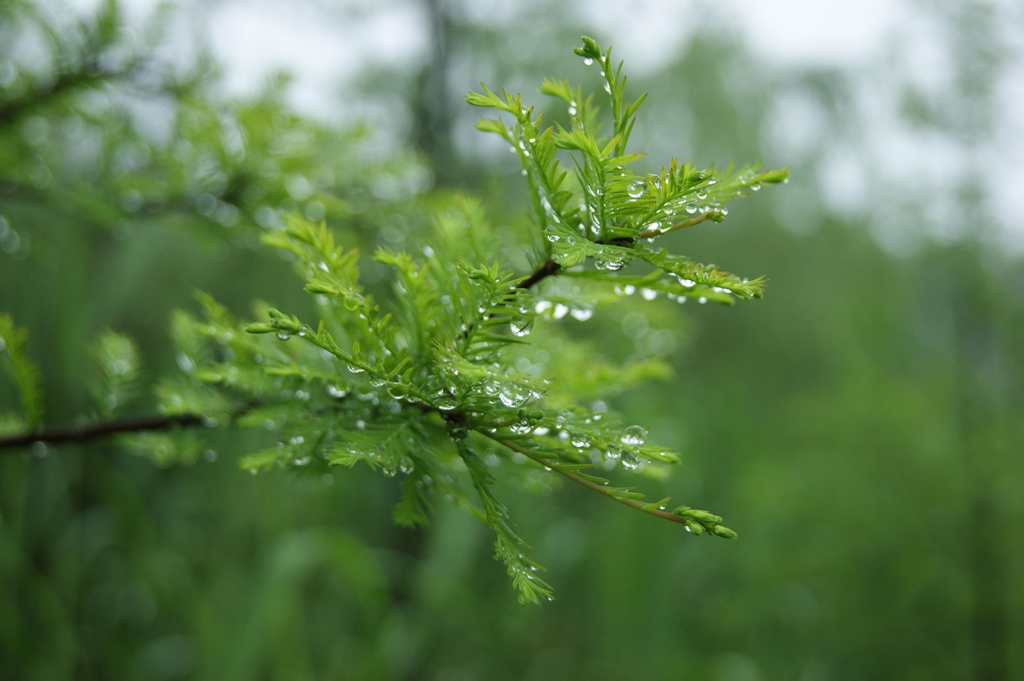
(755,187)
(581,313)
(398,390)
(445,403)
(560,311)
(607,87)
(521,427)
(283,335)
(629,461)
(613,452)
(512,397)
(571,240)
(520,326)
(691,208)
(588,61)
(572,108)
(634,435)
(648,293)
(355,369)
(702,300)
(376,381)
(636,190)
(552,237)
(702,193)
(579,440)
(609,264)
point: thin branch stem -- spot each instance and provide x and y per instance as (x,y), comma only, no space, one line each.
(91,431)
(548,268)
(632,503)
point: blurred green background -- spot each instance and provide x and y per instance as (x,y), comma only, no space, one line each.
(861,427)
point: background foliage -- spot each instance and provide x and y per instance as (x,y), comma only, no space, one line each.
(860,426)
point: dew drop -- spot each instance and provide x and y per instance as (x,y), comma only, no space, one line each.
(588,61)
(521,427)
(520,326)
(581,313)
(512,397)
(648,293)
(634,435)
(579,440)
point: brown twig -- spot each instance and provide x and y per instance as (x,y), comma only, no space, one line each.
(90,431)
(548,268)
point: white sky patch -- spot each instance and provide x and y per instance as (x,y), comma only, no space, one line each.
(320,52)
(814,31)
(649,32)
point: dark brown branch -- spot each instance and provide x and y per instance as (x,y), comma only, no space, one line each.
(91,431)
(547,269)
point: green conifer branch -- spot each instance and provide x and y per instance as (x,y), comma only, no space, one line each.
(406,386)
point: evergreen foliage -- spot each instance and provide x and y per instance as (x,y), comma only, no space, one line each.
(424,384)
(438,381)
